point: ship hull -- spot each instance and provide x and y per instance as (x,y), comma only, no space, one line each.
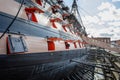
(37,62)
(40,66)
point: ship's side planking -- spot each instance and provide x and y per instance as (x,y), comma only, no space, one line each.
(41,28)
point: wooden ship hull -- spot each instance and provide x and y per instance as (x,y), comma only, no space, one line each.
(40,43)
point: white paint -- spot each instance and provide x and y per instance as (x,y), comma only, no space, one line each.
(42,19)
(59,45)
(59,26)
(11,7)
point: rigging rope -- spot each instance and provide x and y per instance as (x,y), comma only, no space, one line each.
(85,11)
(75,9)
(13,20)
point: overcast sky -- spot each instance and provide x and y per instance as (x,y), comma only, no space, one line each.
(100,17)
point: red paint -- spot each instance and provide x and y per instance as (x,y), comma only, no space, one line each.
(64,28)
(75,45)
(79,42)
(8,46)
(65,14)
(66,25)
(68,40)
(71,31)
(54,25)
(54,39)
(30,13)
(55,6)
(33,18)
(80,45)
(67,45)
(33,9)
(84,42)
(39,2)
(55,20)
(51,45)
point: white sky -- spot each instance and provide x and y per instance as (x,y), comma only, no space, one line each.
(100,17)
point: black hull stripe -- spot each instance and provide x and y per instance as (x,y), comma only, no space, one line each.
(18,60)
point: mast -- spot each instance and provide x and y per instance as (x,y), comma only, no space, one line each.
(74,8)
(75,12)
